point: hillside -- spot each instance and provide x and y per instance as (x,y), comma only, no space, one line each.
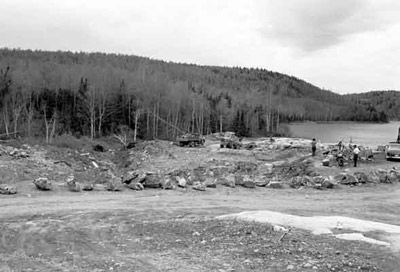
(52,93)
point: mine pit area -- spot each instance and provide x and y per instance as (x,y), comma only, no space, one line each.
(158,207)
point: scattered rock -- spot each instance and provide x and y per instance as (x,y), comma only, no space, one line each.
(199,186)
(43,184)
(7,189)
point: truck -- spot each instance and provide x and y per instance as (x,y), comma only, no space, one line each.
(230,140)
(191,139)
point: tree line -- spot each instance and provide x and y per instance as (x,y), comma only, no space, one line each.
(45,94)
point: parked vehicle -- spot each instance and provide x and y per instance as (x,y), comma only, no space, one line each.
(230,140)
(191,139)
(392,151)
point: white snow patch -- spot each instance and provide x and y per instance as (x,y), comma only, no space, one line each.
(324,225)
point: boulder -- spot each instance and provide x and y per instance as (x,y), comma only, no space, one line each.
(362,177)
(134,176)
(87,187)
(328,183)
(74,186)
(382,176)
(228,181)
(114,184)
(275,184)
(153,181)
(248,183)
(308,181)
(199,186)
(326,162)
(168,184)
(393,176)
(7,189)
(261,181)
(296,182)
(246,167)
(43,184)
(181,182)
(199,174)
(239,179)
(135,186)
(210,182)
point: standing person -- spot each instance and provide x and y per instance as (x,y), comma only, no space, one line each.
(356,151)
(313,146)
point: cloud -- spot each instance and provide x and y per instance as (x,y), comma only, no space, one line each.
(312,25)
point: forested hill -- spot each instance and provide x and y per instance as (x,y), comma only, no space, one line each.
(51,93)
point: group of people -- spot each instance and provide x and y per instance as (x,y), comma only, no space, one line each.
(355,149)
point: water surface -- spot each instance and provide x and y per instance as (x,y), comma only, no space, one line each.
(366,134)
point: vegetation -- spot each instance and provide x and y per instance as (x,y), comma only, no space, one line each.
(93,94)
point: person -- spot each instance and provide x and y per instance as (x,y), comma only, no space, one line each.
(340,145)
(356,151)
(313,146)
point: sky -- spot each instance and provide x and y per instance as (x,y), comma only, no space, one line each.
(346,46)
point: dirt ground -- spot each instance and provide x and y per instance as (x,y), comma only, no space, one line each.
(177,230)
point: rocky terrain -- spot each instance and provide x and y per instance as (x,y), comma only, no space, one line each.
(153,207)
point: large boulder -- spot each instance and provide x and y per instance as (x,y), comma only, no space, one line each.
(210,182)
(261,181)
(382,176)
(133,176)
(296,182)
(153,181)
(74,186)
(246,167)
(228,181)
(275,184)
(239,179)
(114,184)
(199,186)
(137,186)
(7,189)
(167,183)
(346,179)
(181,181)
(362,177)
(393,176)
(86,186)
(43,184)
(328,183)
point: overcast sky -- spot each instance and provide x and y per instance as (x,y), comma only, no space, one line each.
(341,45)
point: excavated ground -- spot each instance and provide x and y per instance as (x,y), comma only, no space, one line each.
(177,230)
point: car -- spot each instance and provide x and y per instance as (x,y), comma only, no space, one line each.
(392,151)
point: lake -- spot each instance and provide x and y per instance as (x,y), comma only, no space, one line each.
(366,134)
